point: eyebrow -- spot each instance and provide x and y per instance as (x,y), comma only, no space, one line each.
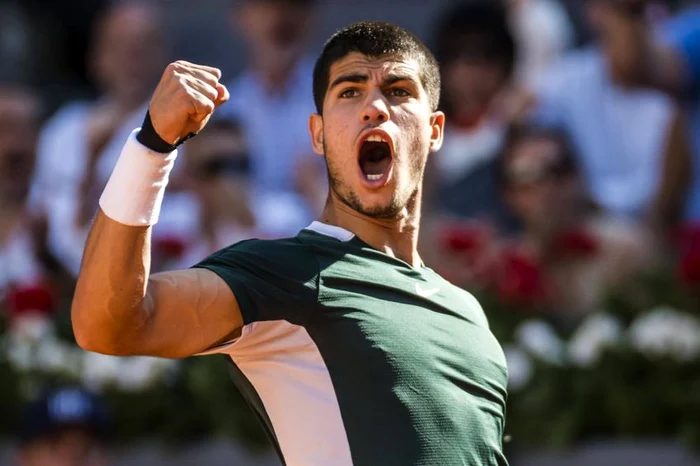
(395,78)
(363,78)
(349,78)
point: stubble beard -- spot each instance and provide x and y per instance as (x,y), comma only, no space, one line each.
(350,198)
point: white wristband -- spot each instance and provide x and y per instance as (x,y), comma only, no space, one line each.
(134,192)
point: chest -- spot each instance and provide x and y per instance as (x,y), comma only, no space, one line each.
(409,328)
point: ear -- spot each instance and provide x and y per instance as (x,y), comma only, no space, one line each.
(316,132)
(437,124)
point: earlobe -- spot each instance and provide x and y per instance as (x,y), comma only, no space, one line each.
(316,133)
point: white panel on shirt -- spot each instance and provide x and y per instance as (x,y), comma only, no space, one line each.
(286,369)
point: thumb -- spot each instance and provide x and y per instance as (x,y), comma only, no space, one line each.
(223,94)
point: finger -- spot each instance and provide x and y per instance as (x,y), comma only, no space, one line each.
(195,68)
(202,87)
(202,75)
(223,94)
(200,106)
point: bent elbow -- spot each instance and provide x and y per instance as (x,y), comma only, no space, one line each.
(98,335)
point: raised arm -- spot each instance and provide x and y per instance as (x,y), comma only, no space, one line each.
(118,308)
(637,56)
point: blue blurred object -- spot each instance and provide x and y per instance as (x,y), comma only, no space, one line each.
(61,409)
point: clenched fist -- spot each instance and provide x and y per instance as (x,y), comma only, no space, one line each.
(185,99)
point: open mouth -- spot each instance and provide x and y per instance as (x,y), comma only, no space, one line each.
(375,158)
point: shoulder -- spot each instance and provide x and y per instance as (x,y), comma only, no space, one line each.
(271,279)
(283,253)
(467,303)
(68,118)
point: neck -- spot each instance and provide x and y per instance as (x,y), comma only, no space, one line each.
(275,73)
(397,237)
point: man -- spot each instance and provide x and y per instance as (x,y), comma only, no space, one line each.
(350,350)
(272,95)
(67,427)
(477,54)
(671,64)
(581,251)
(20,244)
(77,146)
(620,133)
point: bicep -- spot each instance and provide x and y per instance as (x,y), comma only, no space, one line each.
(186,312)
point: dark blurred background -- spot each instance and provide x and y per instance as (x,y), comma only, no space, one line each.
(566,198)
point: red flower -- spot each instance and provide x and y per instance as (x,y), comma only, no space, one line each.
(30,299)
(519,279)
(463,238)
(689,267)
(688,237)
(169,247)
(579,243)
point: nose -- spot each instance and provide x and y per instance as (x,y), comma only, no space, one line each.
(376,109)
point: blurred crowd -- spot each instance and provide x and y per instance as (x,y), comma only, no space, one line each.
(571,158)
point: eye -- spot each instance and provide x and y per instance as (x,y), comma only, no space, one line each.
(348,93)
(399,92)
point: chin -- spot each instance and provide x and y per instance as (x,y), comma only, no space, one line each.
(383,210)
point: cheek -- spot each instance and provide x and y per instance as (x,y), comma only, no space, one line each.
(339,143)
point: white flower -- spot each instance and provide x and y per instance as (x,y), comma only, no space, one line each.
(140,373)
(540,339)
(32,327)
(20,356)
(53,355)
(598,332)
(100,371)
(666,332)
(519,367)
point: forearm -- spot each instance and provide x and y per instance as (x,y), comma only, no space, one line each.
(107,305)
(637,57)
(630,51)
(667,208)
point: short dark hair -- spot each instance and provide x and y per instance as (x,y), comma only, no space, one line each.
(483,26)
(376,39)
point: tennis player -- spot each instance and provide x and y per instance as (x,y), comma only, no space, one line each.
(349,349)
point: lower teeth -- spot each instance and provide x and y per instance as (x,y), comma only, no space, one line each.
(374,177)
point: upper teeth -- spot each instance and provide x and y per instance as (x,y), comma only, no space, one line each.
(376,138)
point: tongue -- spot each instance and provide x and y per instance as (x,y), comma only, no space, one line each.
(375,162)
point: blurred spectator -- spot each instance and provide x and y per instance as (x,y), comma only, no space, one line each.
(67,427)
(477,53)
(668,60)
(80,144)
(272,99)
(19,246)
(579,250)
(216,169)
(543,31)
(621,134)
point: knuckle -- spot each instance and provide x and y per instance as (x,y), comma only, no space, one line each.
(172,68)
